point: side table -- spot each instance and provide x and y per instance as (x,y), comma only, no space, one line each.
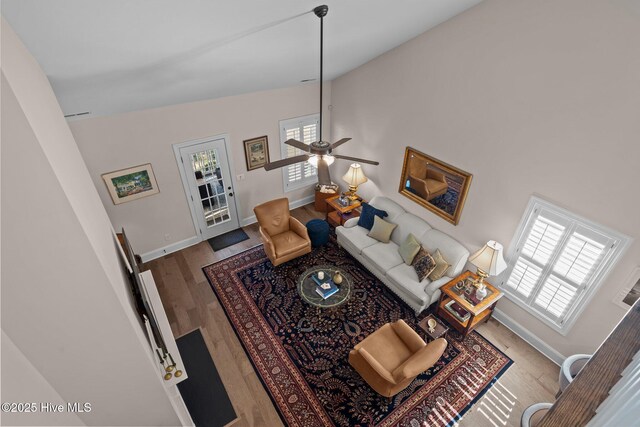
(338,214)
(477,310)
(440,329)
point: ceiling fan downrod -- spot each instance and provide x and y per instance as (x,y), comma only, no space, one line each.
(321,12)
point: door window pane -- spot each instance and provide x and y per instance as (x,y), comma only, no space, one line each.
(211,187)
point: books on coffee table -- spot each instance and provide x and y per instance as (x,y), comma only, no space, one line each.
(325,288)
(458,311)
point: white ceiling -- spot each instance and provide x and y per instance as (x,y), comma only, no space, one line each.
(113,56)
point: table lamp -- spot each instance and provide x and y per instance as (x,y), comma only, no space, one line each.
(354,177)
(489,262)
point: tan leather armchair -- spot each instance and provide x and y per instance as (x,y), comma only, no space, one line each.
(428,183)
(284,237)
(393,356)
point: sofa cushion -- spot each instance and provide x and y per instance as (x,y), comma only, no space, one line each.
(381,229)
(451,249)
(368,214)
(392,208)
(384,255)
(409,249)
(441,266)
(405,277)
(424,264)
(408,223)
(356,237)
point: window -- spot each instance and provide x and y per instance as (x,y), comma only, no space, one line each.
(558,262)
(303,129)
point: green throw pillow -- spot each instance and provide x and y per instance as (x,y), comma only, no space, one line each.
(441,266)
(381,229)
(423,263)
(409,249)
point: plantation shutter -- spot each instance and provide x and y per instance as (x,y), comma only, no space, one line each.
(305,130)
(556,261)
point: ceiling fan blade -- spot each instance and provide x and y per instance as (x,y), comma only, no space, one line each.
(339,143)
(286,162)
(298,144)
(355,159)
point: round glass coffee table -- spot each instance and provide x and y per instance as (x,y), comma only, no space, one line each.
(307,287)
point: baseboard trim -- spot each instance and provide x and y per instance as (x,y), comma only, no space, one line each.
(292,205)
(544,348)
(174,247)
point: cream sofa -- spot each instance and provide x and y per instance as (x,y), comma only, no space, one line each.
(384,261)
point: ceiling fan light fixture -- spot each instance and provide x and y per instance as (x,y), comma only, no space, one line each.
(313,160)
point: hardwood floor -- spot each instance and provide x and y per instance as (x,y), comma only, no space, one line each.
(190,303)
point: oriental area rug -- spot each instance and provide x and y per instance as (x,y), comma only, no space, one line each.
(300,352)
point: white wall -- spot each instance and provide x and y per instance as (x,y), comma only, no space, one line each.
(115,142)
(531,97)
(64,299)
(23,383)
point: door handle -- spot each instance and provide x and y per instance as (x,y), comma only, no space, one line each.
(230,194)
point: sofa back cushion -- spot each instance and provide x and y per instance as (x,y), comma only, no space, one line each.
(392,208)
(450,248)
(408,223)
(273,216)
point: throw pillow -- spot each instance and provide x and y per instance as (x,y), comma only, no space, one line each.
(381,229)
(441,266)
(409,249)
(423,263)
(367,215)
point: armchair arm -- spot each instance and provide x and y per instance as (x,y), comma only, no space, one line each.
(438,176)
(268,243)
(408,335)
(422,360)
(381,370)
(297,227)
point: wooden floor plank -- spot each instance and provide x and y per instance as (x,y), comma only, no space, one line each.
(190,303)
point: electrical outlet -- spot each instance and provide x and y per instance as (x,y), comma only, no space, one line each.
(167,237)
(240,177)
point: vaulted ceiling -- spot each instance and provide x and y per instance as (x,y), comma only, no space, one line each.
(114,56)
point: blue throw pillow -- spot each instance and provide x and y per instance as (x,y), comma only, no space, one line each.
(367,214)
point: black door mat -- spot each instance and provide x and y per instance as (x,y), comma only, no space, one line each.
(227,239)
(203,392)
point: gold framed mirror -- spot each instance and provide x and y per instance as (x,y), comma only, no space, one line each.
(434,184)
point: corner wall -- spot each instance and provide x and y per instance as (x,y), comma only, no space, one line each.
(531,97)
(64,297)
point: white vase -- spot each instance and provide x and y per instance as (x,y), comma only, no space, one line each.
(481,292)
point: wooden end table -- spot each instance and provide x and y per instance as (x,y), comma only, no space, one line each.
(439,331)
(338,214)
(478,310)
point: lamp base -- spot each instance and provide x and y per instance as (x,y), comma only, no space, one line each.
(479,283)
(351,194)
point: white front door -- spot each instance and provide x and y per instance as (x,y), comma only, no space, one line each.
(206,169)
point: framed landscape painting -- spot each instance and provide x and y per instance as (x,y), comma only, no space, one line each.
(130,184)
(256,152)
(434,184)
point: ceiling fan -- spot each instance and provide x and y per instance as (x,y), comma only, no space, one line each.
(319,152)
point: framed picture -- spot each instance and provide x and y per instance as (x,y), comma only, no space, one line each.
(630,293)
(256,152)
(434,184)
(130,184)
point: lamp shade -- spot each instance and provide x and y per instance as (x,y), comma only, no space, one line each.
(489,258)
(354,175)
